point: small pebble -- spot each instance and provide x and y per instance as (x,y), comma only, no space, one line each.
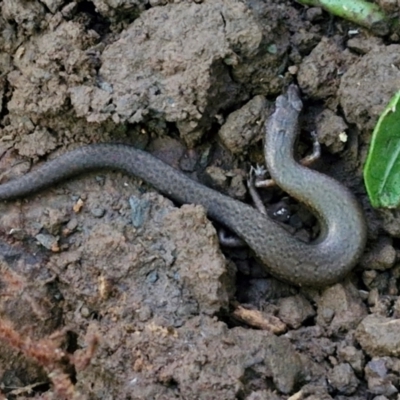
(152,277)
(140,209)
(98,212)
(50,242)
(85,312)
(343,379)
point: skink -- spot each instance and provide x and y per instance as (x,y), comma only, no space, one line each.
(320,263)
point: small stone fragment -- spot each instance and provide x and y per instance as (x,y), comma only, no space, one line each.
(354,357)
(70,227)
(144,313)
(379,336)
(85,312)
(263,395)
(363,45)
(78,206)
(244,126)
(381,257)
(312,392)
(53,5)
(343,379)
(343,305)
(315,70)
(379,381)
(50,242)
(368,277)
(218,176)
(54,219)
(295,310)
(382,306)
(152,277)
(98,212)
(286,366)
(38,143)
(329,129)
(140,209)
(396,308)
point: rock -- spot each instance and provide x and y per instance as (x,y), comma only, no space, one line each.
(340,307)
(379,381)
(343,379)
(48,241)
(330,127)
(40,142)
(315,72)
(311,340)
(396,308)
(372,70)
(245,126)
(382,305)
(263,395)
(381,257)
(312,392)
(140,210)
(53,5)
(294,310)
(379,336)
(352,356)
(98,212)
(283,363)
(196,265)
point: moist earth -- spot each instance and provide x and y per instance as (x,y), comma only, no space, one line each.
(111,291)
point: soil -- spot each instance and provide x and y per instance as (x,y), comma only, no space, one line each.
(111,291)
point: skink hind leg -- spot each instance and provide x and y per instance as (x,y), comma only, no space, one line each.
(257,182)
(281,214)
(256,178)
(229,240)
(316,153)
(254,174)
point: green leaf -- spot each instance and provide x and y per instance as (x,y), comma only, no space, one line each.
(361,12)
(382,169)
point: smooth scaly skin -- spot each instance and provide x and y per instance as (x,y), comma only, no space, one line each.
(317,264)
